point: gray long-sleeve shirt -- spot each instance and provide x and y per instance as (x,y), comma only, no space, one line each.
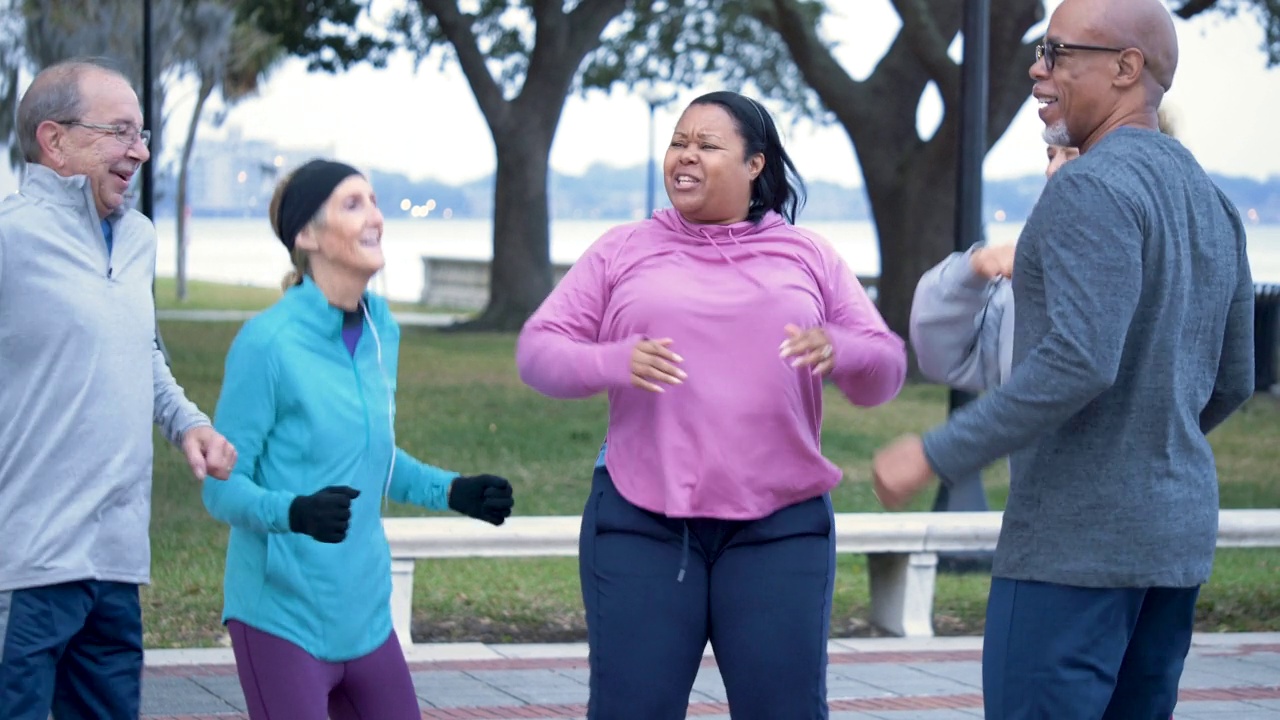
(1134,339)
(81,382)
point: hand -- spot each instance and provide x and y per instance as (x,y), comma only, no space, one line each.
(813,348)
(651,363)
(208,453)
(992,262)
(483,497)
(899,471)
(326,515)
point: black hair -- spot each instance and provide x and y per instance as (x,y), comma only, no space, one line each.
(779,186)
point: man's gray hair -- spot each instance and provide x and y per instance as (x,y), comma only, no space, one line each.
(54,95)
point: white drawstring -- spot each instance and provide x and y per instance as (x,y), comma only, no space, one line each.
(391,405)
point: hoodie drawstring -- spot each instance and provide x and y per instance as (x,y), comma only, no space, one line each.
(708,236)
(684,554)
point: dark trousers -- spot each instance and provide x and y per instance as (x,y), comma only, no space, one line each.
(657,589)
(74,649)
(1068,653)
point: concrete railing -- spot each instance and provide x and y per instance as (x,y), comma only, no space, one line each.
(902,551)
(464,284)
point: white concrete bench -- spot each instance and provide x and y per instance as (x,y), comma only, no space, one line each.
(902,551)
(464,284)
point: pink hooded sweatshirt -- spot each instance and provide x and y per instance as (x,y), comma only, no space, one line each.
(739,438)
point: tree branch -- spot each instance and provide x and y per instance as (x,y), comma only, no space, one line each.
(930,47)
(1194,7)
(587,22)
(1008,81)
(561,41)
(457,29)
(821,71)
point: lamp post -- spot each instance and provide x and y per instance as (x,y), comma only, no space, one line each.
(967,493)
(148,178)
(654,96)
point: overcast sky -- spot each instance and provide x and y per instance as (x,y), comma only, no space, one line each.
(1224,103)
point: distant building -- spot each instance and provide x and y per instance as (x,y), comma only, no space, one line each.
(236,176)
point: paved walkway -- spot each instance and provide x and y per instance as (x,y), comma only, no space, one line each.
(1228,677)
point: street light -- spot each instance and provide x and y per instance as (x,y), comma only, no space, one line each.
(148,178)
(967,493)
(654,96)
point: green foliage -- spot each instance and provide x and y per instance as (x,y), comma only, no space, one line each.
(1267,13)
(684,42)
(675,42)
(324,32)
(190,38)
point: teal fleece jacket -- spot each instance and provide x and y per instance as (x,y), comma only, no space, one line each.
(305,414)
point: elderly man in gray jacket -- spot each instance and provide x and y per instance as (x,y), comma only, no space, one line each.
(82,383)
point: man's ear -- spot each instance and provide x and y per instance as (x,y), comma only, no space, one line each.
(1131,63)
(51,137)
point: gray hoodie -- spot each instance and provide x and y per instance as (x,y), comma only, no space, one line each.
(962,326)
(81,382)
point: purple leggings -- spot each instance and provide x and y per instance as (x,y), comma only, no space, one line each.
(281,681)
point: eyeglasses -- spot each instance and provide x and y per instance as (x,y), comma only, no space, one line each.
(124,132)
(1048,51)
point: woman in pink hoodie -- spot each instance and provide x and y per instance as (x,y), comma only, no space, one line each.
(711,326)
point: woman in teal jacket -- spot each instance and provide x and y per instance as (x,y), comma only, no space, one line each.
(308,399)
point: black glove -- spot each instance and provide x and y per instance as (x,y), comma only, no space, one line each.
(483,497)
(325,515)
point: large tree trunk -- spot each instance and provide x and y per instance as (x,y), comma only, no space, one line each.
(911,182)
(915,221)
(180,202)
(523,128)
(520,275)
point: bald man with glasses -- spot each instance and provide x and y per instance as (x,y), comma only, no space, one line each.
(1134,340)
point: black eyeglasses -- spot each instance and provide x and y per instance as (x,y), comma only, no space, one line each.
(1048,51)
(124,132)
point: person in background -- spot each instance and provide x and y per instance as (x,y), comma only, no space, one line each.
(712,327)
(309,398)
(962,314)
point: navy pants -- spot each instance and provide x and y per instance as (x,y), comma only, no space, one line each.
(74,649)
(657,589)
(1068,653)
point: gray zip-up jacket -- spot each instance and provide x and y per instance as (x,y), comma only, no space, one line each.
(81,382)
(962,326)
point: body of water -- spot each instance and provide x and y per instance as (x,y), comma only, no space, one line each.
(244,251)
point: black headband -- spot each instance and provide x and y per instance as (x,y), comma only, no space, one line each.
(308,189)
(764,126)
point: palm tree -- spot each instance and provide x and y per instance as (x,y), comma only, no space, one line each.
(223,54)
(39,33)
(202,38)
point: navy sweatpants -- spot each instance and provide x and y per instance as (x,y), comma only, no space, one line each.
(73,648)
(1074,653)
(657,589)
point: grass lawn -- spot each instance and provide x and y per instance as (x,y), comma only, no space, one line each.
(461,406)
(203,295)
